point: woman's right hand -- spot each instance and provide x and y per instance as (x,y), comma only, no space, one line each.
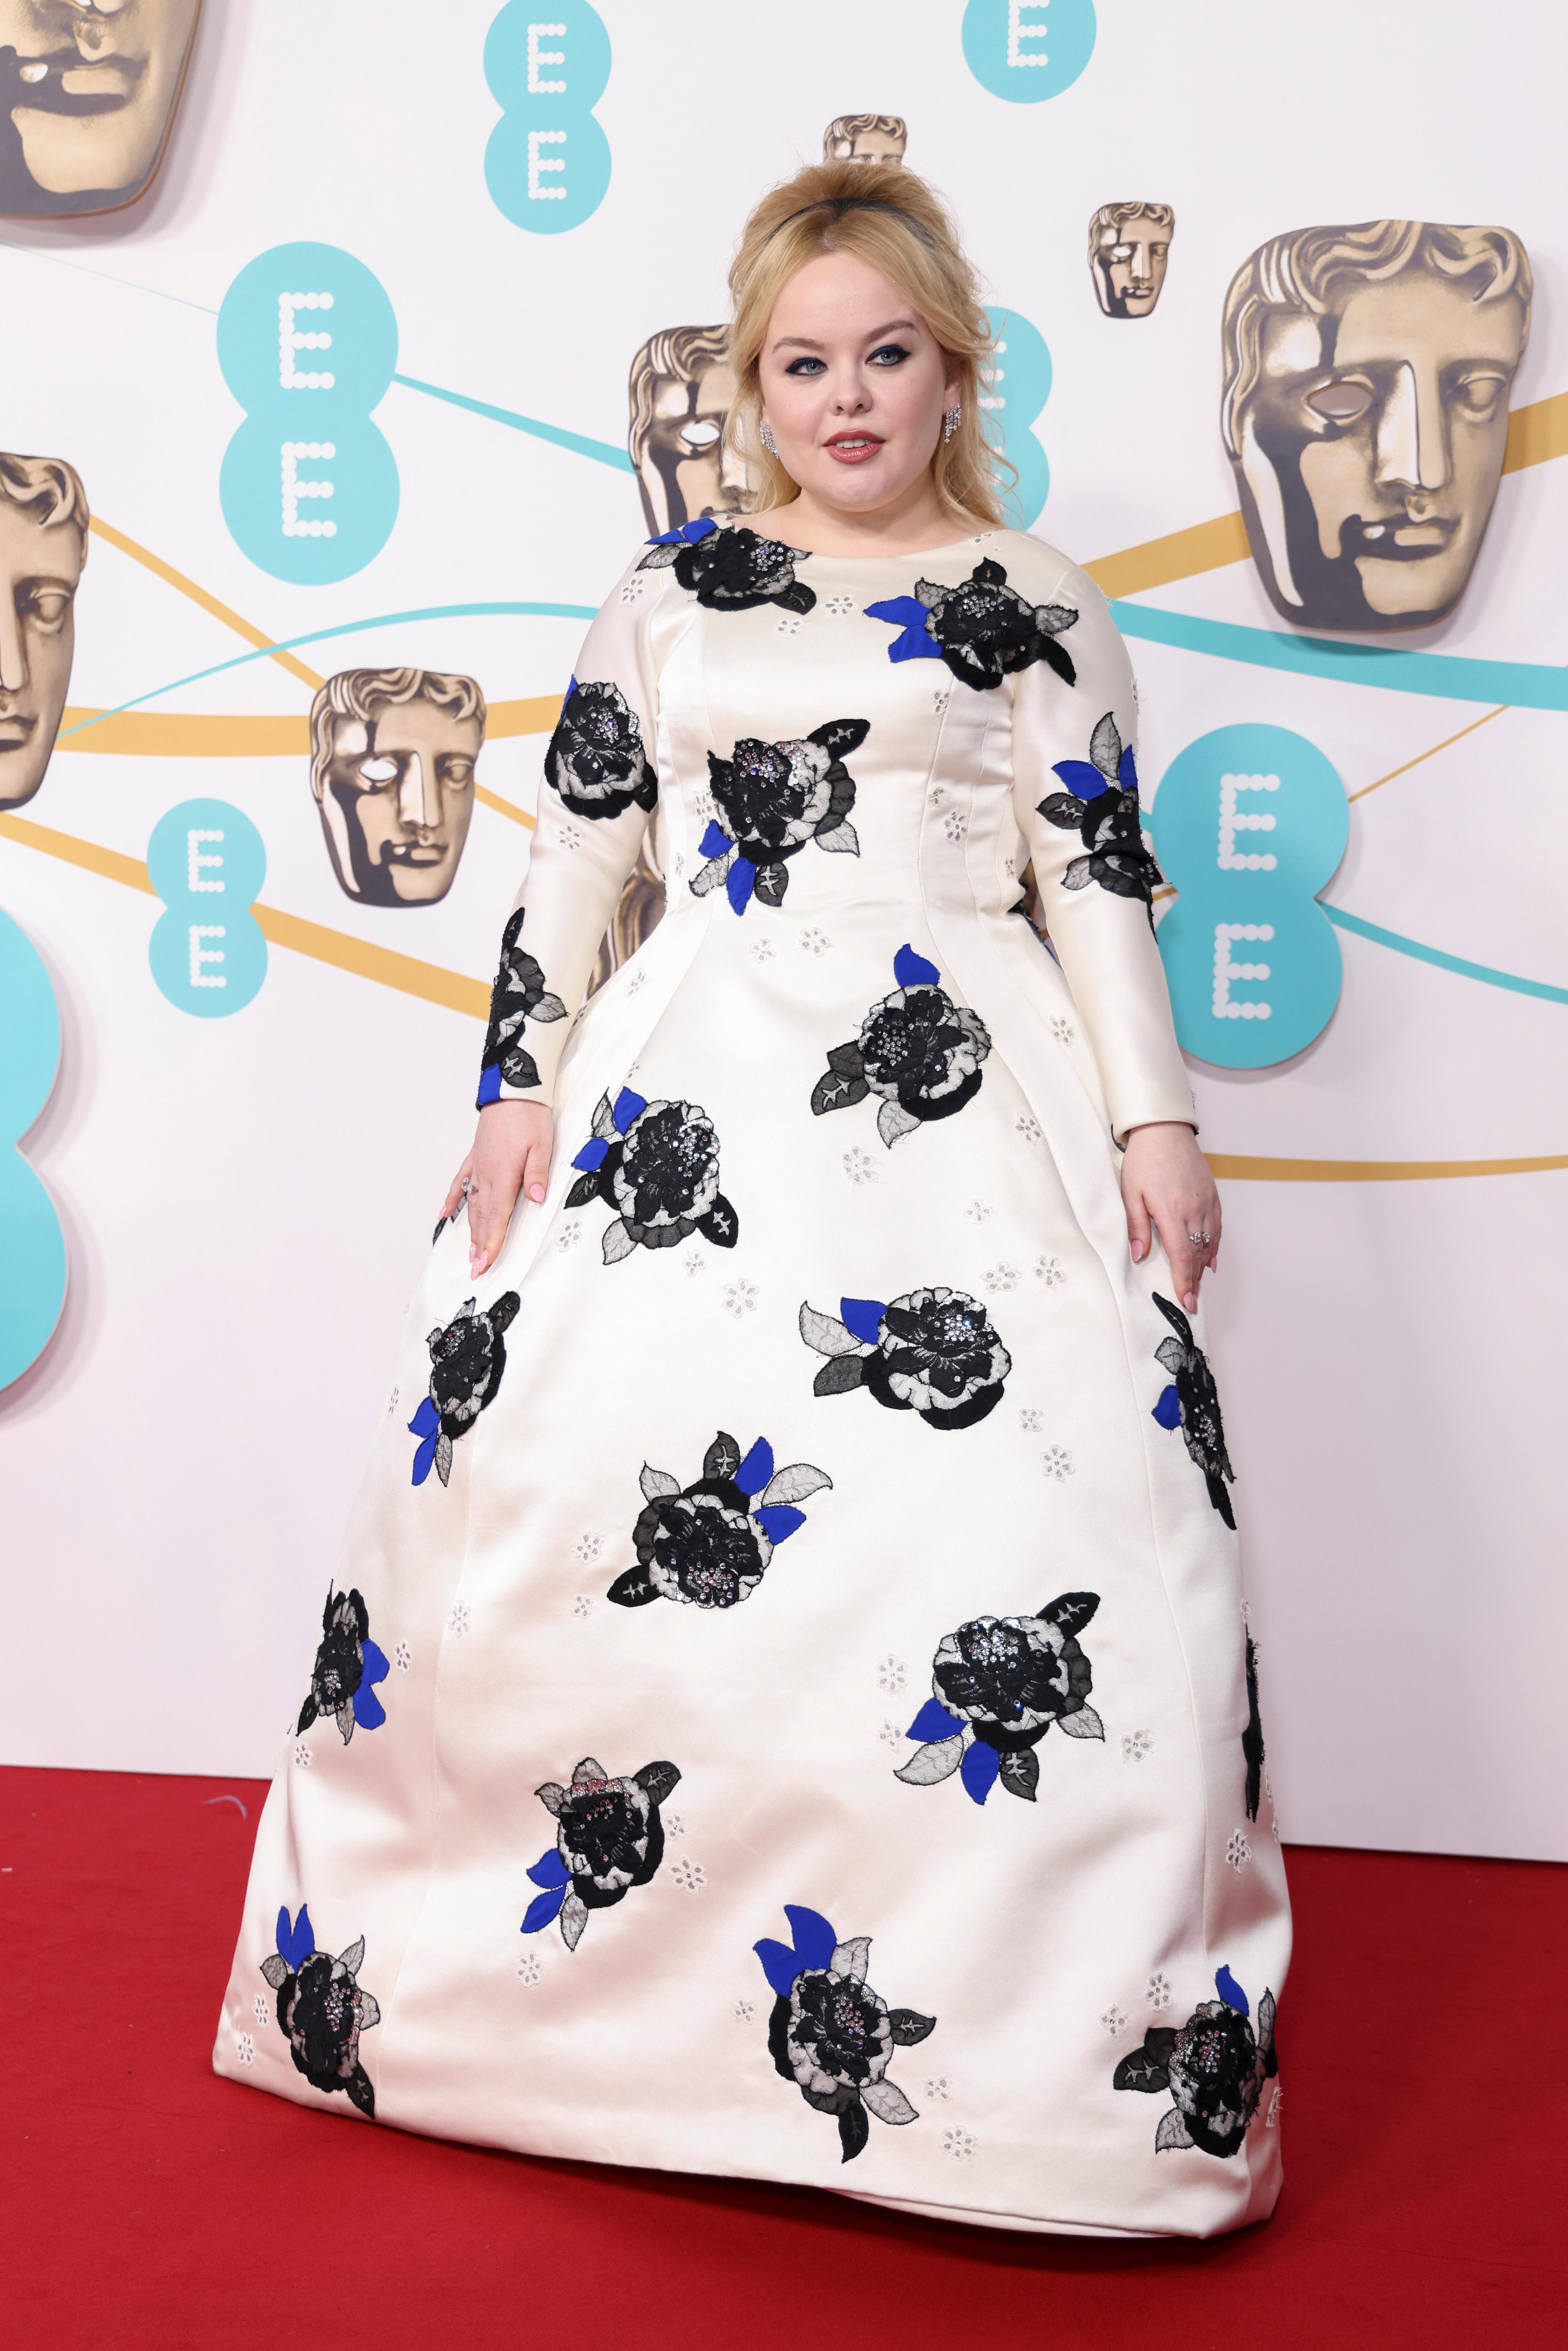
(511,1153)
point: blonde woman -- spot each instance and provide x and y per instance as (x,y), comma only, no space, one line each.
(784,1709)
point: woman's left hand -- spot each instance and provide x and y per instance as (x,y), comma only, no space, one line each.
(1166,1180)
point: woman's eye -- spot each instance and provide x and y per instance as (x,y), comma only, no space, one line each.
(1341,402)
(804,367)
(888,355)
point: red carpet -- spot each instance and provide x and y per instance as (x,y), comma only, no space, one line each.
(145,2203)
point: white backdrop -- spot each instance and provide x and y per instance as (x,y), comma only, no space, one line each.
(246,1199)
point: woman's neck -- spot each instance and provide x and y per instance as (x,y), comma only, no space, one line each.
(910,526)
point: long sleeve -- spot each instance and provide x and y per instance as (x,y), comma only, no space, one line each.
(1076,799)
(597,791)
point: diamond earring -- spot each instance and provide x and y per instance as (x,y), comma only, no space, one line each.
(951,422)
(769,442)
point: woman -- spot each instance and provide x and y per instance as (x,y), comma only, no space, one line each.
(932,1837)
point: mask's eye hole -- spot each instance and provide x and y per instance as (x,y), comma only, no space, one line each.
(378,771)
(700,435)
(1121,253)
(1339,402)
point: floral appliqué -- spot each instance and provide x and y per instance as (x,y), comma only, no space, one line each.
(466,1361)
(1252,1737)
(917,1049)
(1191,1403)
(322,2009)
(1102,801)
(731,570)
(347,1663)
(1000,1683)
(519,995)
(1214,2065)
(609,1838)
(710,1544)
(830,2034)
(932,1351)
(775,797)
(596,760)
(982,628)
(656,1165)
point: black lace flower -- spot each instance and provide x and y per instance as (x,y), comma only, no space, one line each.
(1214,2065)
(1192,1404)
(775,797)
(656,1163)
(709,1543)
(1102,801)
(916,1049)
(1252,1737)
(466,1361)
(596,759)
(321,2009)
(732,571)
(932,1352)
(519,994)
(609,1838)
(830,2034)
(999,1684)
(347,1663)
(982,628)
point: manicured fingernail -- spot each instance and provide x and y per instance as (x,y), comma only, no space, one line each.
(1190,1301)
(536,1191)
(1137,1252)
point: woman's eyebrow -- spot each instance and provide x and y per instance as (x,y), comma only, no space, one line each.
(805,343)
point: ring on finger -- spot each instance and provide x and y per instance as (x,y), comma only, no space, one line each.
(1198,1240)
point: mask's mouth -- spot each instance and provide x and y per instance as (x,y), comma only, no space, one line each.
(17,729)
(66,82)
(413,853)
(1396,538)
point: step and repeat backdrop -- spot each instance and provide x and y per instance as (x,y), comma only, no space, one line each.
(347,360)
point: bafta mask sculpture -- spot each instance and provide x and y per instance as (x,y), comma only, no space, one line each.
(866,138)
(680,391)
(87,92)
(43,546)
(1129,251)
(1366,411)
(393,756)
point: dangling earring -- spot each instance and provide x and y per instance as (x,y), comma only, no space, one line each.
(768,441)
(951,422)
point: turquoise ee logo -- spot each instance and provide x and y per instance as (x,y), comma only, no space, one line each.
(32,1245)
(1028,49)
(548,162)
(1019,388)
(208,864)
(1250,823)
(308,342)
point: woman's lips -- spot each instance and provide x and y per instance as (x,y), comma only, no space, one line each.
(854,448)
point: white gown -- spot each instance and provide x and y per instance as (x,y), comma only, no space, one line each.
(784,1709)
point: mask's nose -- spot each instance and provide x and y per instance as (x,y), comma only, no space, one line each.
(419,796)
(13,648)
(1413,433)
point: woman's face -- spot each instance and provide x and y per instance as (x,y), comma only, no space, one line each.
(854,384)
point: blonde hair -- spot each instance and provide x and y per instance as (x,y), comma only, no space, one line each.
(888,216)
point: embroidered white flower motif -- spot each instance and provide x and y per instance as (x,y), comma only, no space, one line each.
(1009,867)
(458,1618)
(244,2049)
(955,825)
(1062,1030)
(1158,1994)
(814,941)
(1050,1270)
(763,950)
(392,1404)
(566,838)
(938,793)
(403,1656)
(639,978)
(1135,1745)
(940,698)
(978,1211)
(689,1876)
(959,2143)
(1030,1422)
(680,864)
(263,2014)
(790,624)
(1272,2120)
(890,1735)
(891,1675)
(634,588)
(1001,1278)
(529,1968)
(740,1298)
(1112,2020)
(1030,1128)
(674,1824)
(939,2087)
(302,1755)
(839,607)
(695,1261)
(703,805)
(582,1606)
(1238,1852)
(569,1235)
(1057,1462)
(744,2011)
(859,1166)
(588,1546)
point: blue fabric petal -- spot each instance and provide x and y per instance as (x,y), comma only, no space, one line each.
(934,1722)
(1080,777)
(814,1939)
(1127,773)
(778,1520)
(426,1421)
(779,1964)
(714,842)
(376,1667)
(592,1153)
(628,1106)
(295,1943)
(863,1316)
(542,1909)
(571,690)
(1230,1991)
(550,1869)
(1167,1412)
(757,1469)
(737,883)
(908,613)
(369,1711)
(688,534)
(424,1457)
(911,970)
(978,1769)
(489,1086)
